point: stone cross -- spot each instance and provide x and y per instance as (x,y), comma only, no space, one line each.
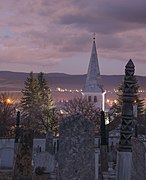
(76,158)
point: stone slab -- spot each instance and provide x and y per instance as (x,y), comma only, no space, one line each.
(46,160)
(76,149)
(138,160)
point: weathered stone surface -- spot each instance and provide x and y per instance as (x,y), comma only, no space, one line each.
(76,149)
(103,130)
(124,165)
(124,158)
(103,158)
(46,160)
(131,165)
(138,160)
(23,163)
(103,146)
(112,154)
(17,130)
(49,142)
(127,108)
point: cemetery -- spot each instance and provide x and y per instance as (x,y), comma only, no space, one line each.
(80,150)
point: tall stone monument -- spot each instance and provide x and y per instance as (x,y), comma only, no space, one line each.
(124,158)
(23,162)
(17,137)
(103,145)
(17,132)
(76,158)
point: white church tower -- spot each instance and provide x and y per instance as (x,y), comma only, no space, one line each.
(93,88)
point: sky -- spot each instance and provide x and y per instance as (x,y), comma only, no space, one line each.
(57,35)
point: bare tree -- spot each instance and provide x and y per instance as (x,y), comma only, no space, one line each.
(84,107)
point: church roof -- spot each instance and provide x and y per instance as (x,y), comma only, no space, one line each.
(93,80)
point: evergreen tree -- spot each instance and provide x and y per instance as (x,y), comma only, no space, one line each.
(116,109)
(44,90)
(47,113)
(37,104)
(29,101)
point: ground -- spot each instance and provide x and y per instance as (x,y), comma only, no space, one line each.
(5,175)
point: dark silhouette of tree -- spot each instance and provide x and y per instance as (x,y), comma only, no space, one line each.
(29,101)
(116,109)
(48,115)
(138,100)
(7,115)
(37,104)
(84,107)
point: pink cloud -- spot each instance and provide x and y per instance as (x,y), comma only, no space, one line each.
(47,32)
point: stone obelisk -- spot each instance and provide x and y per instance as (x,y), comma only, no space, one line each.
(124,157)
(23,161)
(103,145)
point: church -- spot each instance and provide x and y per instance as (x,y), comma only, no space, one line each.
(93,87)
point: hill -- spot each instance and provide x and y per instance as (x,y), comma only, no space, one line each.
(15,80)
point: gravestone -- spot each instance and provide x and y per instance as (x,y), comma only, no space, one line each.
(46,160)
(97,152)
(76,158)
(112,154)
(49,142)
(23,163)
(138,160)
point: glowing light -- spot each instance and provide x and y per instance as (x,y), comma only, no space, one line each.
(9,101)
(107,100)
(135,101)
(115,101)
(61,111)
(58,89)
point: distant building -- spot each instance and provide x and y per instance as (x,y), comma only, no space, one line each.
(93,88)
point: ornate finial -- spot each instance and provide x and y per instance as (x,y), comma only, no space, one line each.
(94,35)
(130,64)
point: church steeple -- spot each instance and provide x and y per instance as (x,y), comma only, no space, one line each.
(93,90)
(93,81)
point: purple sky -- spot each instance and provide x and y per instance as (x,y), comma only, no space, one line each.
(56,35)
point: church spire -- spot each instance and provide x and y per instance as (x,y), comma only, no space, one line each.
(93,80)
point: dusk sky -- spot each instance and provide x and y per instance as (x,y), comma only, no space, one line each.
(56,35)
